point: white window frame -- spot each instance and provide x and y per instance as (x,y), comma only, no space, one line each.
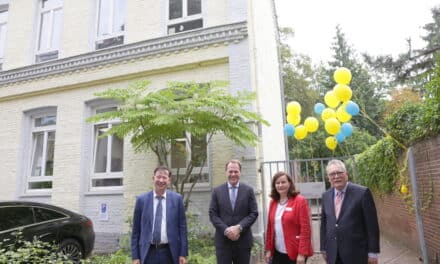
(185,17)
(196,170)
(107,174)
(53,47)
(34,131)
(111,21)
(3,23)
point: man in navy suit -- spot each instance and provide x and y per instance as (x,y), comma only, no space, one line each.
(349,226)
(232,211)
(159,234)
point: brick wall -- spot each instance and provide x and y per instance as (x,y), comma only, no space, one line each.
(398,222)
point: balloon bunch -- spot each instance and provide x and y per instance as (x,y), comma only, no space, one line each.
(339,110)
(336,115)
(293,127)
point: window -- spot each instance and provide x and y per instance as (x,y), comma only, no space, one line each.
(49,30)
(15,216)
(42,152)
(43,215)
(190,148)
(108,155)
(184,15)
(3,28)
(110,23)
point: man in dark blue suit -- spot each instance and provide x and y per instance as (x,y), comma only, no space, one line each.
(349,226)
(232,211)
(159,234)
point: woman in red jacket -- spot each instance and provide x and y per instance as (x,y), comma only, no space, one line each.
(288,232)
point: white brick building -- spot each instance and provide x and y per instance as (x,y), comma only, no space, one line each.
(55,54)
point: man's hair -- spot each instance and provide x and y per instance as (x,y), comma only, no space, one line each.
(336,162)
(233,161)
(162,168)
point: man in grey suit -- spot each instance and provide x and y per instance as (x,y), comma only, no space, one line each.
(159,234)
(232,211)
(349,226)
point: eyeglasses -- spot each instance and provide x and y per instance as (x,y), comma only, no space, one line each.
(336,173)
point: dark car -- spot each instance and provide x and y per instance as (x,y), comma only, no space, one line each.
(71,231)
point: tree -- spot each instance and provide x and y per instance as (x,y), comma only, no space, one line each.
(156,120)
(412,67)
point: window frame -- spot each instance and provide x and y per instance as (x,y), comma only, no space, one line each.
(108,174)
(3,23)
(118,37)
(205,170)
(34,130)
(43,54)
(184,18)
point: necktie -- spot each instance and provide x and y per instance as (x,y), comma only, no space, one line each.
(233,196)
(157,221)
(338,203)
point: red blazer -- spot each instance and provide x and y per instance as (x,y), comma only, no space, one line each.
(296,227)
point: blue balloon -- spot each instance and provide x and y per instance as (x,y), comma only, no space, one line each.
(340,137)
(319,108)
(289,129)
(346,129)
(352,108)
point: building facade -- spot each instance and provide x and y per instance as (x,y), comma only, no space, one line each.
(55,55)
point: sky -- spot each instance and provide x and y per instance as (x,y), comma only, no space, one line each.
(377,27)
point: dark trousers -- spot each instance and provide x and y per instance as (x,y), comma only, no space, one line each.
(338,259)
(281,258)
(160,255)
(233,254)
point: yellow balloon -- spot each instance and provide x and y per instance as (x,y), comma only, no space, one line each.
(330,99)
(343,92)
(331,143)
(300,132)
(311,124)
(293,119)
(332,126)
(293,108)
(342,115)
(404,189)
(342,75)
(328,113)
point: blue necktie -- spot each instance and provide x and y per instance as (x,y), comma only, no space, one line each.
(233,196)
(157,221)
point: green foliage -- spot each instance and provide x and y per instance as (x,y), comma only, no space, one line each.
(406,124)
(154,119)
(119,257)
(31,252)
(377,167)
(201,242)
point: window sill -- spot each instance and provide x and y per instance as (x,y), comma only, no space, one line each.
(40,194)
(104,192)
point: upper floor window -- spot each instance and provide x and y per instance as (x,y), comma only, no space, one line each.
(49,30)
(190,149)
(42,152)
(184,15)
(3,28)
(110,23)
(108,155)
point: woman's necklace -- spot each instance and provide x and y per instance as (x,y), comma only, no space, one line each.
(283,202)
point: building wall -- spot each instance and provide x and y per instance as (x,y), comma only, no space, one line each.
(396,218)
(225,49)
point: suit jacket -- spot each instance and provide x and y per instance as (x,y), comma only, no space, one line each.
(296,227)
(356,232)
(142,232)
(222,215)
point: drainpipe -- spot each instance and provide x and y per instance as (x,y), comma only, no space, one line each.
(412,173)
(280,65)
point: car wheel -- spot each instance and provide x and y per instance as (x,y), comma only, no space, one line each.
(72,249)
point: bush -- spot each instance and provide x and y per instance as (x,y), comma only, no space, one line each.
(35,251)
